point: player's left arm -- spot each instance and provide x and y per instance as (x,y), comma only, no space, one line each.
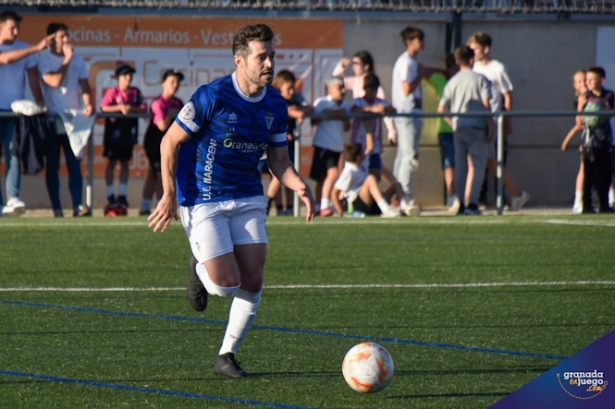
(86,94)
(282,168)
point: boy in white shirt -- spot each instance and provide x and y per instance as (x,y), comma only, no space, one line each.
(329,141)
(360,188)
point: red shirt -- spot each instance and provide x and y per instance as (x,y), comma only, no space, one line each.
(160,106)
(115,96)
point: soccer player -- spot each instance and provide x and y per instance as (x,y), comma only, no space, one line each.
(209,160)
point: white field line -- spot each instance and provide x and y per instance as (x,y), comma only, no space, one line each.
(319,286)
(580,222)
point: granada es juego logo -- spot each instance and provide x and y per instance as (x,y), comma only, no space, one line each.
(583,385)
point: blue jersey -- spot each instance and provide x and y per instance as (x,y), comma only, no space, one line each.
(229,133)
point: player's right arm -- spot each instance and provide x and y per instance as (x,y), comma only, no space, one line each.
(8,57)
(166,210)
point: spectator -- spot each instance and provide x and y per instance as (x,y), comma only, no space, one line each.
(164,109)
(65,87)
(17,61)
(407,98)
(285,82)
(468,91)
(362,63)
(445,136)
(329,141)
(501,98)
(578,83)
(360,189)
(597,140)
(120,134)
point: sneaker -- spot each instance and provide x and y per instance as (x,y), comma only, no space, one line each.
(197,295)
(462,210)
(516,203)
(325,213)
(227,365)
(58,213)
(413,209)
(453,205)
(472,210)
(122,202)
(588,210)
(577,208)
(82,211)
(606,210)
(390,213)
(144,213)
(14,207)
(112,202)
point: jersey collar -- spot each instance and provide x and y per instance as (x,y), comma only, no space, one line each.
(244,96)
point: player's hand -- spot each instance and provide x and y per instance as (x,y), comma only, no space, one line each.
(345,62)
(88,110)
(307,198)
(165,212)
(393,138)
(45,42)
(67,49)
(125,109)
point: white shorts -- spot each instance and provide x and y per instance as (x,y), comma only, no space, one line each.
(213,229)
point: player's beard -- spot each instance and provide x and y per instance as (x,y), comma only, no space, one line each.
(261,78)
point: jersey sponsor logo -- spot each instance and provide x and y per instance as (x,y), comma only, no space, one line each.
(188,112)
(232,118)
(208,170)
(245,147)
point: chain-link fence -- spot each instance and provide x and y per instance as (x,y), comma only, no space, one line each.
(497,6)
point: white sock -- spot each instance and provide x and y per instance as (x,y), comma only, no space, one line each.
(578,197)
(383,206)
(122,189)
(109,190)
(241,317)
(211,287)
(325,203)
(146,204)
(611,196)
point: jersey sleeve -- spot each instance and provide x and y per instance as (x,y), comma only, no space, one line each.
(31,61)
(279,126)
(343,182)
(108,98)
(196,113)
(158,113)
(44,66)
(505,81)
(83,70)
(484,88)
(447,94)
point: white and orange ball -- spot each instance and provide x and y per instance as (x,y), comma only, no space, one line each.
(368,367)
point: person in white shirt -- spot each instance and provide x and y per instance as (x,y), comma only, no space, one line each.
(501,99)
(66,87)
(329,141)
(407,98)
(17,61)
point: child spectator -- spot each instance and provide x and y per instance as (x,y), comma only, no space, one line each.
(285,82)
(445,135)
(578,83)
(329,141)
(468,91)
(164,109)
(360,189)
(120,134)
(597,140)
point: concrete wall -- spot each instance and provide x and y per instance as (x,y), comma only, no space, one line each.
(541,57)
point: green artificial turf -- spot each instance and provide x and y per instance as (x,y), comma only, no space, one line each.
(453,347)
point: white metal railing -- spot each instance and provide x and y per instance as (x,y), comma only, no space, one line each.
(498,116)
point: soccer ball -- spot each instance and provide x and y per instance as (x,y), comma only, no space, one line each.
(367,367)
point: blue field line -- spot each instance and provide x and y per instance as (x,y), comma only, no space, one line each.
(150,390)
(289,330)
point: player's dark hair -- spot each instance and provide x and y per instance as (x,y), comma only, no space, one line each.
(256,32)
(449,60)
(284,77)
(464,55)
(9,15)
(410,33)
(482,39)
(598,71)
(352,152)
(371,81)
(366,59)
(53,28)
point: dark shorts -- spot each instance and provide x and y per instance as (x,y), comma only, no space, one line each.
(360,206)
(323,160)
(151,145)
(263,166)
(447,150)
(375,162)
(120,137)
